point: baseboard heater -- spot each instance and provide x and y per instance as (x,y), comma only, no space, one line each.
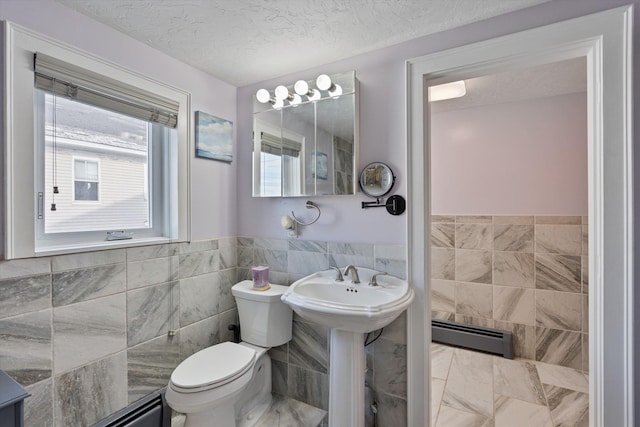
(150,411)
(488,340)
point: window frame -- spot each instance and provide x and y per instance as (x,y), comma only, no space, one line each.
(20,203)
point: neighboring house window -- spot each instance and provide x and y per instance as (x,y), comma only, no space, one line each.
(86,180)
(103,149)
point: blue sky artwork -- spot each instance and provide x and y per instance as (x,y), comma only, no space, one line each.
(214,137)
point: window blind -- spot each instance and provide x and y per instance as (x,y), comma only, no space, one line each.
(68,80)
(279,146)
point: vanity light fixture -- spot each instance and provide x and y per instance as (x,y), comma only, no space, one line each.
(447,91)
(282,93)
(263,96)
(302,88)
(324,83)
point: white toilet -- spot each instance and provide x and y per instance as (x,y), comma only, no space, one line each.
(229,384)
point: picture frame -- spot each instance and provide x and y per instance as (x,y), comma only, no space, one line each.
(320,165)
(214,137)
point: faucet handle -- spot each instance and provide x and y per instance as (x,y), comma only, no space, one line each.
(374,281)
(338,275)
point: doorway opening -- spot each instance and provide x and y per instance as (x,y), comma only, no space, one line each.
(509,248)
(610,213)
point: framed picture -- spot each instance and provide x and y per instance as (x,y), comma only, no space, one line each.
(214,137)
(320,161)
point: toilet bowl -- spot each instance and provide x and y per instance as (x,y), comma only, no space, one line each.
(229,384)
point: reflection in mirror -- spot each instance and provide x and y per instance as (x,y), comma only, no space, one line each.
(376,179)
(306,145)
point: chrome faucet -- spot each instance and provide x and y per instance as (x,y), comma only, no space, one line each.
(338,274)
(354,273)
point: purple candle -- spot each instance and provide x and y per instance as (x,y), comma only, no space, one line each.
(260,277)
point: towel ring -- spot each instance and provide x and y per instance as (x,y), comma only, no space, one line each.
(309,205)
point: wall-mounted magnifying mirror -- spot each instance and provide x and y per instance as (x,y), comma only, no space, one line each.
(376,179)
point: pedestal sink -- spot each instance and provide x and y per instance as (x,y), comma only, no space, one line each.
(350,310)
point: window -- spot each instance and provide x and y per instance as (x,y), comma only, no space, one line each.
(280,159)
(86,180)
(104,149)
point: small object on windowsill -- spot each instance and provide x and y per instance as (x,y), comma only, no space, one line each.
(119,235)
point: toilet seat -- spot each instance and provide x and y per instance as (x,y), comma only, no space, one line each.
(212,367)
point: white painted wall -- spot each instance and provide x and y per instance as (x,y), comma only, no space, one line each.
(518,158)
(382,127)
(213,183)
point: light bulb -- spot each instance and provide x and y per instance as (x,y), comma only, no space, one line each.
(263,96)
(278,104)
(295,99)
(301,87)
(336,91)
(282,92)
(323,82)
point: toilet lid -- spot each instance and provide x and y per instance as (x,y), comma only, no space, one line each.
(212,365)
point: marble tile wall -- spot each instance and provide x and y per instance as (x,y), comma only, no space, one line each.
(87,334)
(525,274)
(300,368)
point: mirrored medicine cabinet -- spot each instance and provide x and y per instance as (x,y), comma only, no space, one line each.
(305,138)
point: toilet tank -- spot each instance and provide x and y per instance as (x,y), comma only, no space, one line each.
(265,320)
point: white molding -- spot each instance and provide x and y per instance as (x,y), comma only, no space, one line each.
(605,39)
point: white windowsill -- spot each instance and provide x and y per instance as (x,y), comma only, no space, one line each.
(103,245)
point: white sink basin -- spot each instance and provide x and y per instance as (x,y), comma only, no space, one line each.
(347,306)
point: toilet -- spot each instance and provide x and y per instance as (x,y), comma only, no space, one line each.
(229,384)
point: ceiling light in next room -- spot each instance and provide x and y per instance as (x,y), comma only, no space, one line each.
(447,91)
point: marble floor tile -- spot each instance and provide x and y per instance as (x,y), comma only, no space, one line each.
(560,376)
(524,393)
(517,379)
(441,356)
(470,383)
(437,389)
(513,412)
(450,417)
(287,412)
(569,408)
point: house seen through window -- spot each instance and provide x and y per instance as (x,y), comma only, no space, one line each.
(99,161)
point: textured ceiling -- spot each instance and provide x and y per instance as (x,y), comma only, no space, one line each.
(246,41)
